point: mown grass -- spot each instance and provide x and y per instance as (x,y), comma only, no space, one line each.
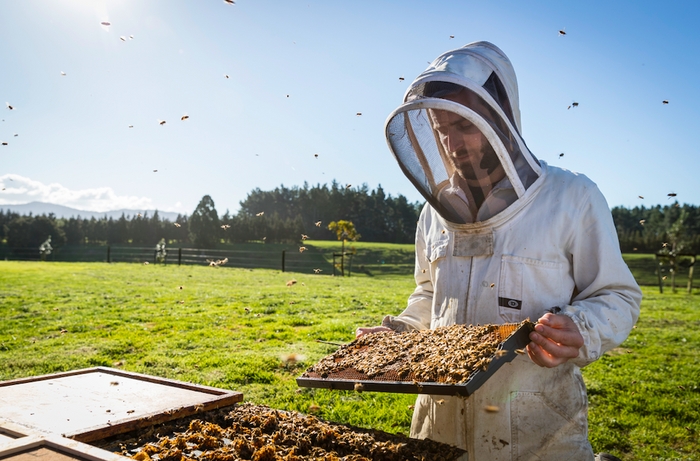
(248,331)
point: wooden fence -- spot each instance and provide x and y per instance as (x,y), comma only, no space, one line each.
(311,261)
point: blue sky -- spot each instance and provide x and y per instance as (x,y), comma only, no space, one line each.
(298,74)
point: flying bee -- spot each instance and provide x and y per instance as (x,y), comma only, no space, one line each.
(122,38)
(292,358)
(561,155)
(63,73)
(562,32)
(9,106)
(114,383)
(574,104)
(302,249)
(315,155)
(520,351)
(176,224)
(4,143)
(318,223)
(131,126)
(155,171)
(359,387)
(313,408)
(492,285)
(401,79)
(440,402)
(229,2)
(291,282)
(491,409)
(665,101)
(225,75)
(348,186)
(131,37)
(106,23)
(184,117)
(225,226)
(161,122)
(664,244)
(500,353)
(672,194)
(642,221)
(358,114)
(452,36)
(304,236)
(641,197)
(260,214)
(317,271)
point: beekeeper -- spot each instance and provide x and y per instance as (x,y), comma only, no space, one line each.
(504,237)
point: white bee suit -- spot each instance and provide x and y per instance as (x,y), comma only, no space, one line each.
(542,238)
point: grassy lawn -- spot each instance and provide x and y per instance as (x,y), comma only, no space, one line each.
(247,330)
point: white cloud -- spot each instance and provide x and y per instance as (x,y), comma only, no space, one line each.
(17,190)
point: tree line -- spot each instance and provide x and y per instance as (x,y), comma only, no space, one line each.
(284,214)
(672,228)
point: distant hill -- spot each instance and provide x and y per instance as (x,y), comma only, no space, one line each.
(60,211)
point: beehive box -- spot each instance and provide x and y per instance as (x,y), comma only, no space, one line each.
(261,433)
(94,403)
(507,342)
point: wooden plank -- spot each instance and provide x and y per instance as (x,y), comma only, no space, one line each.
(98,402)
(53,448)
(10,432)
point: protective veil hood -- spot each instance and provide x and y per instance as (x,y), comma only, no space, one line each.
(471,91)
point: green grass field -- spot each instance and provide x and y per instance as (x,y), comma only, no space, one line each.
(247,330)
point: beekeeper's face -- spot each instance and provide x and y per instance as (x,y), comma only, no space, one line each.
(467,148)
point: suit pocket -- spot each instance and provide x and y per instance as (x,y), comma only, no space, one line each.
(529,287)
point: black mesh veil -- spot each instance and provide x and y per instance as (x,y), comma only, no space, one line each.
(422,148)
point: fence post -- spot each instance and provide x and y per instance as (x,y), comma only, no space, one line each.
(109,251)
(179,256)
(690,274)
(283,254)
(658,273)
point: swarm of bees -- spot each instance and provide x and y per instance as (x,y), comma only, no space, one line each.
(447,355)
(261,433)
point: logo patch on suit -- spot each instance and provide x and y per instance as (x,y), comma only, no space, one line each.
(511,303)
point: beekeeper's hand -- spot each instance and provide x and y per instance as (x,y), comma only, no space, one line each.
(556,339)
(365,331)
